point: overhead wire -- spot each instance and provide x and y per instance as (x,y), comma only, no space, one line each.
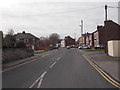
(70,11)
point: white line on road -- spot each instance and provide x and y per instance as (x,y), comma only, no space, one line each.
(52,64)
(39,84)
(38,79)
(58,58)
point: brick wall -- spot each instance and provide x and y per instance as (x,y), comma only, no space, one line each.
(12,54)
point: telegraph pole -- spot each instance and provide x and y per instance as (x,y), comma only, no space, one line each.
(105,12)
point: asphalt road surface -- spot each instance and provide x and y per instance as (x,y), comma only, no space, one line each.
(64,68)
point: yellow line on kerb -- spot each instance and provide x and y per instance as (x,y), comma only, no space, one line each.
(106,76)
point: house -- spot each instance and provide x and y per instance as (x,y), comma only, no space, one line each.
(86,39)
(30,40)
(91,38)
(110,31)
(69,41)
(82,39)
(98,37)
(103,34)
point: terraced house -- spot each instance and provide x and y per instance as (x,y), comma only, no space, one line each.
(103,34)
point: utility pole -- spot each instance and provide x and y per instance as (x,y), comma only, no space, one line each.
(81,27)
(105,12)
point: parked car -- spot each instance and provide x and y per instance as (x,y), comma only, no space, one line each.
(55,47)
(68,47)
(84,47)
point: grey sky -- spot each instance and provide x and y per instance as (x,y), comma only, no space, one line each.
(45,17)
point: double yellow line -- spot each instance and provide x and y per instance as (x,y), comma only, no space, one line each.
(104,74)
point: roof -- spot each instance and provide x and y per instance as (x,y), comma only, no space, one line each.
(25,35)
(68,37)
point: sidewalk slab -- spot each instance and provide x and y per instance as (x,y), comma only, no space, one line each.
(107,63)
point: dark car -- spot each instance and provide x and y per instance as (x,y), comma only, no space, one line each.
(55,47)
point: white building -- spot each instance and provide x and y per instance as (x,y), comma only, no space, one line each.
(63,43)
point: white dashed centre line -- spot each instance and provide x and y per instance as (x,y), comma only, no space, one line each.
(52,64)
(58,58)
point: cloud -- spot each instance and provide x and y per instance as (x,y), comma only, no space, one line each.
(44,18)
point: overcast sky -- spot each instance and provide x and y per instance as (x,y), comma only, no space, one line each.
(43,17)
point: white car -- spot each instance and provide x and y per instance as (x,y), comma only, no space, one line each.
(68,47)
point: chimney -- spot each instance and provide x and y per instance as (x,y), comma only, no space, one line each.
(107,22)
(98,27)
(23,32)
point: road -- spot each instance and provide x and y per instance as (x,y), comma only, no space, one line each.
(64,68)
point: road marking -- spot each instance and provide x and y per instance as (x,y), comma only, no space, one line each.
(52,64)
(40,78)
(40,82)
(23,63)
(106,76)
(58,58)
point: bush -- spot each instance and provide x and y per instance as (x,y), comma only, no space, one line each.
(20,45)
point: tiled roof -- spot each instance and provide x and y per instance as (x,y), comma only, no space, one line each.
(25,35)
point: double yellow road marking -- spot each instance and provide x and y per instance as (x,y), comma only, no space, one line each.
(105,75)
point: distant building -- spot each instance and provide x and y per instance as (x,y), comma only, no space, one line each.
(69,41)
(82,39)
(91,40)
(86,39)
(63,43)
(29,39)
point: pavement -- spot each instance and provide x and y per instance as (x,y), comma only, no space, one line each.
(64,68)
(109,64)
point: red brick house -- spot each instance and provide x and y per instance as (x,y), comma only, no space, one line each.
(30,40)
(99,38)
(69,41)
(110,31)
(85,39)
(82,39)
(91,38)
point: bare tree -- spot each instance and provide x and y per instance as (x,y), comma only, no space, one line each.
(10,32)
(9,40)
(54,37)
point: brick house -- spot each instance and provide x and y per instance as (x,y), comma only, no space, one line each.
(98,37)
(91,38)
(69,41)
(110,31)
(82,39)
(85,39)
(88,39)
(30,40)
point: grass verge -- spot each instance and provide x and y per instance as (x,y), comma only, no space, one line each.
(94,50)
(39,51)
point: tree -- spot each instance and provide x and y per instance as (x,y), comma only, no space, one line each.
(54,37)
(9,40)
